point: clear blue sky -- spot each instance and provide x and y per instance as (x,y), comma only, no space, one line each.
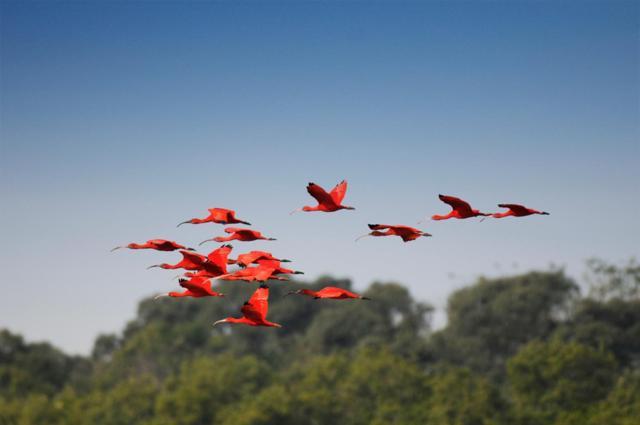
(121,119)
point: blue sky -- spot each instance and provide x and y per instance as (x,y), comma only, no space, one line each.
(119,120)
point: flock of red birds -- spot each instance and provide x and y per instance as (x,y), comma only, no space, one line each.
(261,266)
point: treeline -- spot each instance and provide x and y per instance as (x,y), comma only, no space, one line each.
(525,350)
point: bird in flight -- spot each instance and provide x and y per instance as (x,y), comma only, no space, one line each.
(459,209)
(239,234)
(327,202)
(254,311)
(276,265)
(157,244)
(217,215)
(252,257)
(253,274)
(196,287)
(517,211)
(328,292)
(405,232)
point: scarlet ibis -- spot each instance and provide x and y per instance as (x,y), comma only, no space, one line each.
(237,233)
(157,244)
(253,274)
(251,257)
(459,209)
(217,215)
(190,261)
(327,202)
(405,232)
(196,287)
(329,292)
(517,211)
(254,311)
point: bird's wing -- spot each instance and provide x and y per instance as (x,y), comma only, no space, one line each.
(456,203)
(378,226)
(320,194)
(219,256)
(268,263)
(195,284)
(234,229)
(258,304)
(194,257)
(219,211)
(514,207)
(159,242)
(338,192)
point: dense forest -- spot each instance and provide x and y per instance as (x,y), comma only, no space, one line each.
(535,348)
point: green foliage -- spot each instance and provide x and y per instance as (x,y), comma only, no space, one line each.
(488,322)
(553,378)
(516,350)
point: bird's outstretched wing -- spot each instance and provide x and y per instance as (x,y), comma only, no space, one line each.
(218,257)
(258,305)
(516,208)
(338,192)
(194,257)
(195,284)
(379,226)
(219,211)
(235,229)
(320,194)
(456,203)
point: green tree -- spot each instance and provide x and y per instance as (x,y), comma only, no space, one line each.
(552,380)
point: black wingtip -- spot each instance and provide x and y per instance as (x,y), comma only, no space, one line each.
(372,226)
(264,286)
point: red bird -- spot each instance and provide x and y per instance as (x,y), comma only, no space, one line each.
(217,215)
(196,287)
(460,209)
(329,292)
(252,257)
(327,202)
(517,211)
(254,311)
(157,244)
(253,274)
(190,261)
(405,232)
(237,233)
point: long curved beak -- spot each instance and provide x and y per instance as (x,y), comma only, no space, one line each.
(219,321)
(289,293)
(298,272)
(295,211)
(118,247)
(190,249)
(284,260)
(363,236)
(426,234)
(184,222)
(245,222)
(545,213)
(204,241)
(271,239)
(155,265)
(365,298)
(160,296)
